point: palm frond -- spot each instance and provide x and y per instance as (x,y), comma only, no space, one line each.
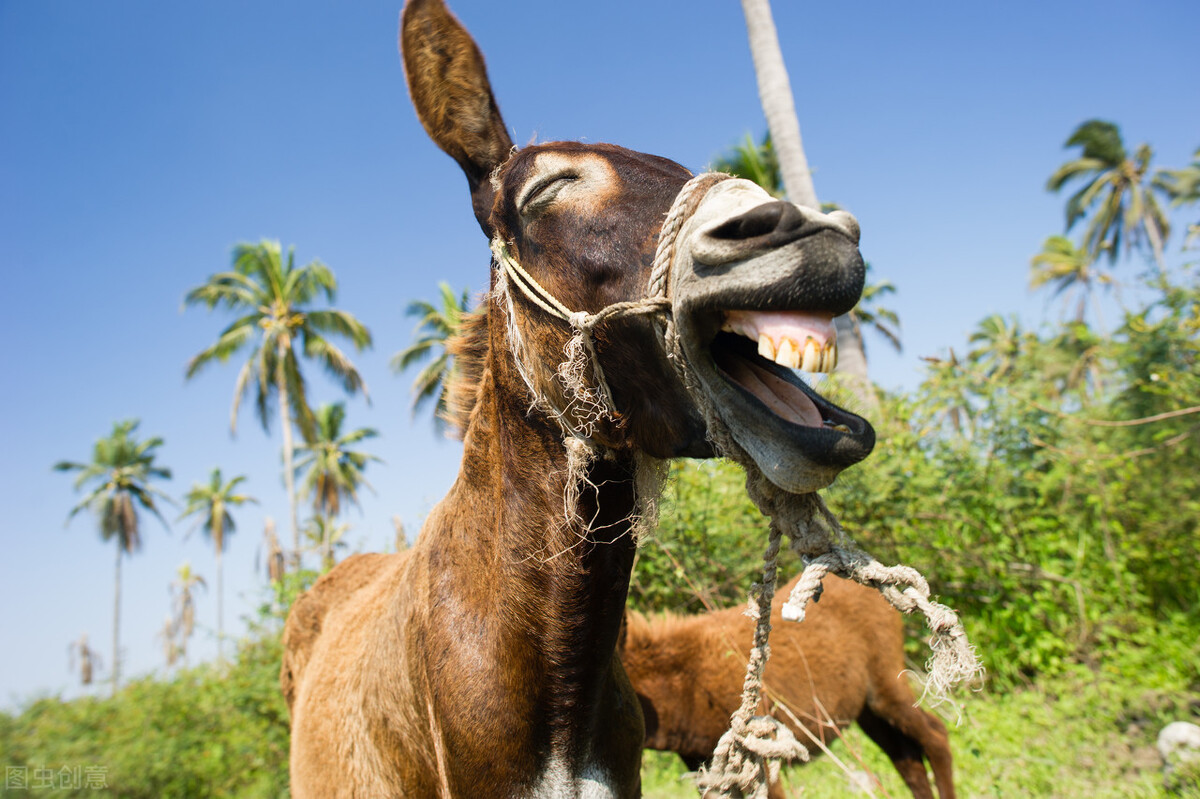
(340,323)
(335,362)
(231,339)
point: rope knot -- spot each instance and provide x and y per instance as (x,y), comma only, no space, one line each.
(582,321)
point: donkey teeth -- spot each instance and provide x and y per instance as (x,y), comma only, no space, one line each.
(766,347)
(831,356)
(812,357)
(788,354)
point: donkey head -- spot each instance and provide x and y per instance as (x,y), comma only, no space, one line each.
(754,283)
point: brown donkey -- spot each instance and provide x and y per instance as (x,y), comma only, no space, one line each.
(482,662)
(843,663)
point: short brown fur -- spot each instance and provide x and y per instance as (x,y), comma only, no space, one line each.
(482,662)
(843,663)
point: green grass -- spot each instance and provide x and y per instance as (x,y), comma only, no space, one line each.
(1083,735)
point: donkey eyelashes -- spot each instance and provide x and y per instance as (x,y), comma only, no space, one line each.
(543,192)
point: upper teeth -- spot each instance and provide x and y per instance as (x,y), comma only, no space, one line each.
(812,357)
(794,339)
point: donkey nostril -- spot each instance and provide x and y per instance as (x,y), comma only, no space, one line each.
(758,221)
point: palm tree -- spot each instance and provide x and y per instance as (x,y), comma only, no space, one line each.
(852,351)
(1114,192)
(754,162)
(274,296)
(171,648)
(948,393)
(434,329)
(1074,362)
(211,503)
(182,621)
(775,94)
(869,313)
(1183,187)
(121,469)
(332,470)
(1068,269)
(326,535)
(999,341)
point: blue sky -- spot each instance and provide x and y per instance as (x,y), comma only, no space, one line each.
(140,140)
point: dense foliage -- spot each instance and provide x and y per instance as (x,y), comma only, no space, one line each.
(206,732)
(1046,485)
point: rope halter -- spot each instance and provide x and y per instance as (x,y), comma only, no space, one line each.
(588,405)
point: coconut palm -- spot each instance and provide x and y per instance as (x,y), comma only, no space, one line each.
(182,620)
(1068,269)
(1116,192)
(1183,187)
(947,389)
(869,313)
(278,326)
(210,503)
(436,326)
(121,470)
(332,471)
(326,535)
(754,162)
(775,94)
(999,343)
(1073,362)
(852,351)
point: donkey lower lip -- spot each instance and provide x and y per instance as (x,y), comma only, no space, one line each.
(798,439)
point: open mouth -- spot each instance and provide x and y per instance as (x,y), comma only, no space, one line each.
(797,437)
(758,351)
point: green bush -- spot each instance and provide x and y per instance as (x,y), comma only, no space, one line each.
(208,731)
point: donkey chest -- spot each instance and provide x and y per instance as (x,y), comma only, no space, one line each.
(558,780)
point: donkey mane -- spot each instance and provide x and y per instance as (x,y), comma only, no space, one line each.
(468,347)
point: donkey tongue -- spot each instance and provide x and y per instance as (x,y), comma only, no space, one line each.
(783,399)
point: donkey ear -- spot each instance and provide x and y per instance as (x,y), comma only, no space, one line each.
(449,86)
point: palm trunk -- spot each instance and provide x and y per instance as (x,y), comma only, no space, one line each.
(116,663)
(852,365)
(775,93)
(327,547)
(220,609)
(289,478)
(1155,244)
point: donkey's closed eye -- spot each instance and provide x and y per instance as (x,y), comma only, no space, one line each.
(544,191)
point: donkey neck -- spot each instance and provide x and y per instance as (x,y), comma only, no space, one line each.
(545,592)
